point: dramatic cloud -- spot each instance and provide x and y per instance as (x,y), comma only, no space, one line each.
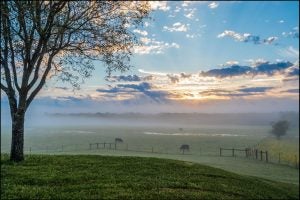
(237,70)
(247,37)
(143,88)
(213,5)
(176,27)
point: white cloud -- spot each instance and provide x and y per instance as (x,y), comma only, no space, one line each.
(147,24)
(236,36)
(141,32)
(281,21)
(289,52)
(230,63)
(247,37)
(159,5)
(269,40)
(186,3)
(176,27)
(151,46)
(256,62)
(213,5)
(190,13)
(177,9)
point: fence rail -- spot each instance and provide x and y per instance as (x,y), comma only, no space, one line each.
(248,153)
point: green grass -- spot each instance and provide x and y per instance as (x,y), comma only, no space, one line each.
(287,147)
(112,177)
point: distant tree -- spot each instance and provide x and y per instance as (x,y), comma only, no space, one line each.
(184,147)
(45,39)
(280,128)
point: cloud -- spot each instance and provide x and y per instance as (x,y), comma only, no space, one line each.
(141,32)
(281,21)
(145,88)
(62,88)
(292,34)
(129,78)
(289,52)
(246,37)
(296,90)
(213,5)
(152,46)
(176,27)
(190,13)
(256,62)
(238,70)
(173,78)
(235,70)
(270,40)
(243,92)
(255,89)
(230,63)
(186,3)
(159,5)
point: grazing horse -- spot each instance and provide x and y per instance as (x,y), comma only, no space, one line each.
(118,140)
(184,147)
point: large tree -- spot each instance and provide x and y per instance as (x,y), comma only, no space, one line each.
(45,39)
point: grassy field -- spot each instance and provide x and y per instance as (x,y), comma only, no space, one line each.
(285,150)
(104,177)
(204,144)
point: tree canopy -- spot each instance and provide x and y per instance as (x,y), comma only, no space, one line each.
(45,39)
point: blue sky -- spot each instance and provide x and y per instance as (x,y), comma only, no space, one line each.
(199,57)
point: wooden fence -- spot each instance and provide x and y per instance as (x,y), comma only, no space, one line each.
(249,152)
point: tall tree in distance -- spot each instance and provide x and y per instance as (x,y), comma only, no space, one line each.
(280,128)
(45,39)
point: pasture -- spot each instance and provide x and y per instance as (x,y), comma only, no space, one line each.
(164,142)
(107,177)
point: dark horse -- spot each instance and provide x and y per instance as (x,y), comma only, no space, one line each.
(118,140)
(184,147)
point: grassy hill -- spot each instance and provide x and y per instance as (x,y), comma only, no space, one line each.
(108,177)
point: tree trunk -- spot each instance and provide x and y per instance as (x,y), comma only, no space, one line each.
(17,142)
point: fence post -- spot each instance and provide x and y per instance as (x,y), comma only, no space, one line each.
(220,152)
(267,158)
(233,152)
(109,145)
(261,155)
(256,154)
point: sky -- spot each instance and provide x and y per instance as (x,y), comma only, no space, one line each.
(200,56)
